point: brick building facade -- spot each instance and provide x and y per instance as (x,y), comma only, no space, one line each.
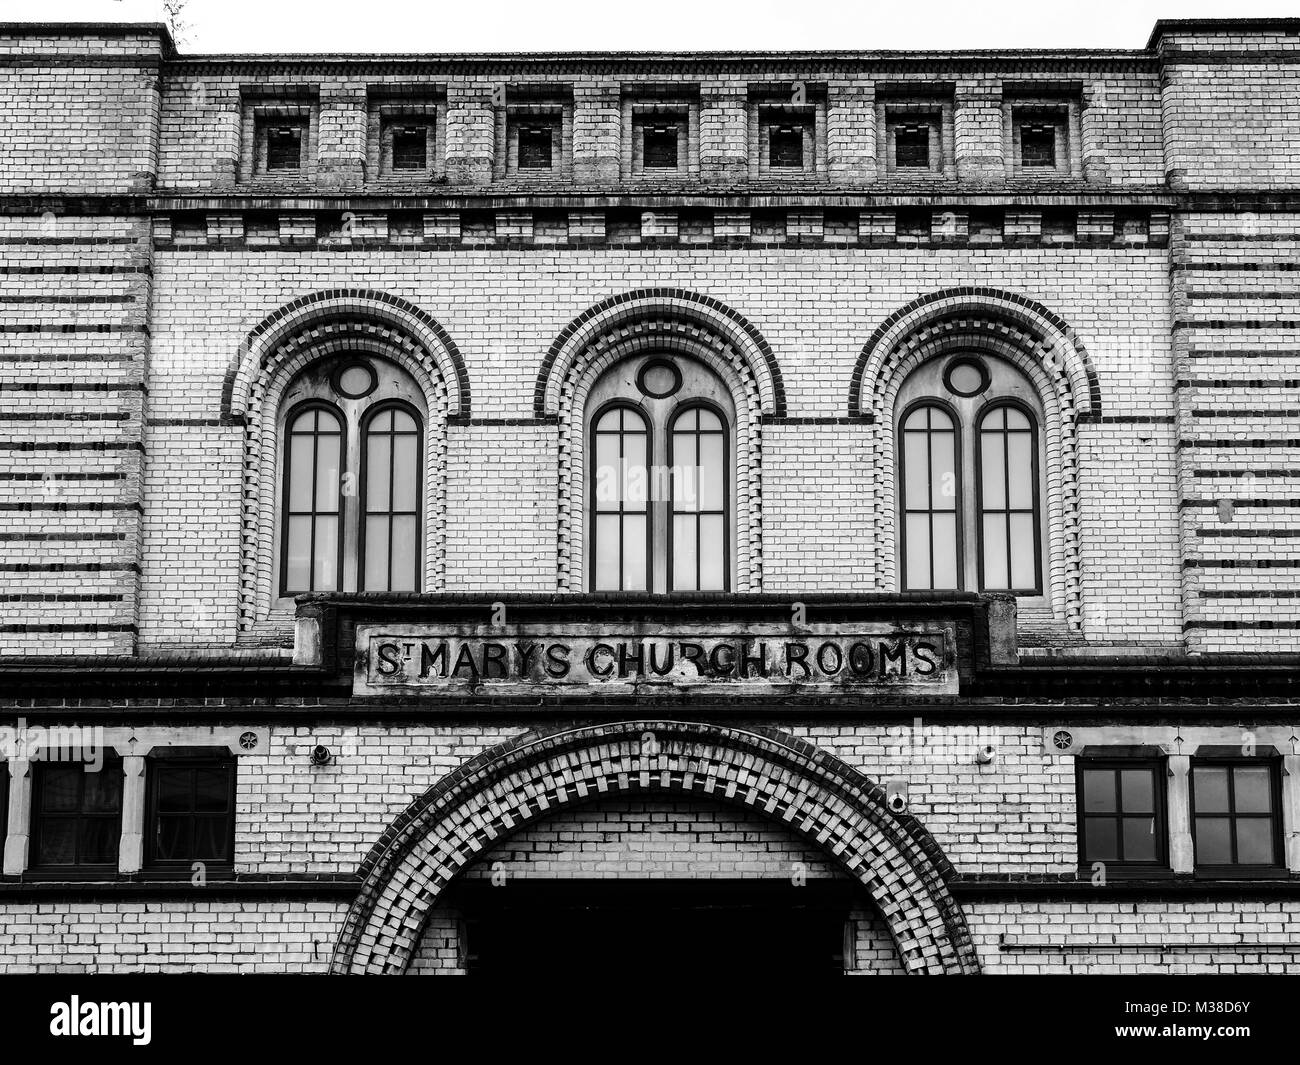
(312,374)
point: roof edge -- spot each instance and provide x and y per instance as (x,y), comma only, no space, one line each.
(1220,25)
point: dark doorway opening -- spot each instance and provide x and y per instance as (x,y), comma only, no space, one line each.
(654,928)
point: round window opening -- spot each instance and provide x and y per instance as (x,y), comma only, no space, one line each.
(355,380)
(966,377)
(659,379)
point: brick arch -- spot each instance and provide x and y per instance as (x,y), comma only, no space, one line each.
(314,327)
(672,320)
(816,795)
(1051,356)
(419,331)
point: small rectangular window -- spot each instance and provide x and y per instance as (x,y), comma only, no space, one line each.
(284,147)
(1121,812)
(1038,146)
(659,147)
(191,811)
(785,147)
(76,815)
(912,147)
(535,147)
(410,147)
(1235,813)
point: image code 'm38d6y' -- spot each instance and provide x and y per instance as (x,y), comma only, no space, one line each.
(806,513)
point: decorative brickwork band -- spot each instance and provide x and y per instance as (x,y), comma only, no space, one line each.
(666,320)
(1046,350)
(536,775)
(333,322)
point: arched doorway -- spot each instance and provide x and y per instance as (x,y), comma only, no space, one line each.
(891,858)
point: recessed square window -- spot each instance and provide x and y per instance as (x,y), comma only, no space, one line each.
(410,147)
(191,811)
(1121,812)
(785,147)
(912,147)
(284,147)
(1038,146)
(659,147)
(536,147)
(1235,813)
(76,815)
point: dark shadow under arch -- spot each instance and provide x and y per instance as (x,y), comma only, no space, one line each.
(816,795)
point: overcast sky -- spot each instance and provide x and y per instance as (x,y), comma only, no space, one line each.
(626,25)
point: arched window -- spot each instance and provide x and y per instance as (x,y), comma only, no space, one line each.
(1008,499)
(621,445)
(660,481)
(312,501)
(969,484)
(352,447)
(930,486)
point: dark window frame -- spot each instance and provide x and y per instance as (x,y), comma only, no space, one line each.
(302,130)
(900,435)
(75,869)
(670,431)
(1160,802)
(651,130)
(796,130)
(364,513)
(1233,869)
(621,432)
(977,430)
(531,128)
(155,765)
(1040,129)
(286,487)
(401,128)
(924,131)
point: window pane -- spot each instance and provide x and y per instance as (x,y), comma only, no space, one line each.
(406,480)
(918,550)
(712,553)
(60,787)
(943,464)
(1098,790)
(377,471)
(405,554)
(327,471)
(1213,846)
(945,551)
(58,841)
(992,472)
(211,789)
(711,473)
(172,840)
(1099,839)
(1138,789)
(376,575)
(1139,839)
(1255,841)
(1020,468)
(1252,789)
(607,553)
(211,839)
(1211,788)
(916,470)
(100,837)
(1023,568)
(327,554)
(634,552)
(172,787)
(103,790)
(684,555)
(300,464)
(298,571)
(995,552)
